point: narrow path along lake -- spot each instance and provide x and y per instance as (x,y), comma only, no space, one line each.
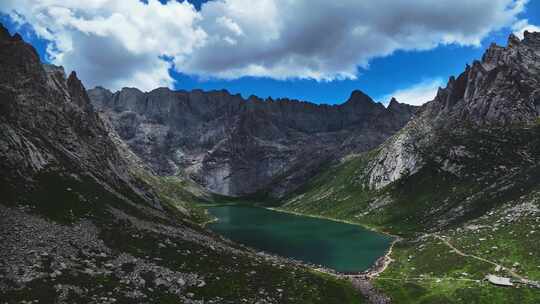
(340,246)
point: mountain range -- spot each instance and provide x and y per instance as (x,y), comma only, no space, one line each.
(239,147)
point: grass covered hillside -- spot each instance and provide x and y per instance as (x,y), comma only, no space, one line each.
(459,184)
(478,192)
(466,174)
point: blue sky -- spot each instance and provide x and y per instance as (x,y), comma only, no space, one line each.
(400,71)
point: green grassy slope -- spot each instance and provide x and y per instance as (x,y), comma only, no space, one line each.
(179,195)
(498,172)
(427,270)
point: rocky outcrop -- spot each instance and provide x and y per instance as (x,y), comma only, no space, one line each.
(49,126)
(502,89)
(398,157)
(237,147)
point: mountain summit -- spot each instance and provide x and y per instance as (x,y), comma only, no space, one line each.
(502,88)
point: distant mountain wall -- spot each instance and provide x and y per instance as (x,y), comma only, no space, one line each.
(233,146)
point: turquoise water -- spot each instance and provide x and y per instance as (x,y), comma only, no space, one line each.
(336,245)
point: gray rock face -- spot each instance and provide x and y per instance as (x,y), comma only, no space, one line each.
(47,124)
(502,89)
(398,157)
(237,147)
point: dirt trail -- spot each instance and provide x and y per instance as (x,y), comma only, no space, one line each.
(447,243)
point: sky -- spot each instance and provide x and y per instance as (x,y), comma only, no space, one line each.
(314,50)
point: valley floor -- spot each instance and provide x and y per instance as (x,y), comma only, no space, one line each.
(458,226)
(451,266)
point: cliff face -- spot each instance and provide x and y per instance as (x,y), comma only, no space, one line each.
(49,127)
(501,90)
(237,147)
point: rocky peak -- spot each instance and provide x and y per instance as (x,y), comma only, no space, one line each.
(132,91)
(99,96)
(17,37)
(531,39)
(5,35)
(493,56)
(393,103)
(502,89)
(396,106)
(48,126)
(78,92)
(253,98)
(513,41)
(401,111)
(359,99)
(499,89)
(54,69)
(18,58)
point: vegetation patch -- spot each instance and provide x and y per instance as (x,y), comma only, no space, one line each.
(493,185)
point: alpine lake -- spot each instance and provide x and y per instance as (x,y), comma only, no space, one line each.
(336,245)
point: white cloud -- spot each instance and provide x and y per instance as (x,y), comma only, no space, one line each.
(328,40)
(417,94)
(523,25)
(113,43)
(119,42)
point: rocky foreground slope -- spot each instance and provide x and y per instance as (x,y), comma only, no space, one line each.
(82,220)
(460,183)
(238,147)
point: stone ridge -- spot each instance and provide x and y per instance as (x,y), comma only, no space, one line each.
(235,146)
(49,126)
(501,90)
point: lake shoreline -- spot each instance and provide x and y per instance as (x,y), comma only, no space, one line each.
(362,282)
(334,220)
(380,264)
(206,223)
(383,262)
